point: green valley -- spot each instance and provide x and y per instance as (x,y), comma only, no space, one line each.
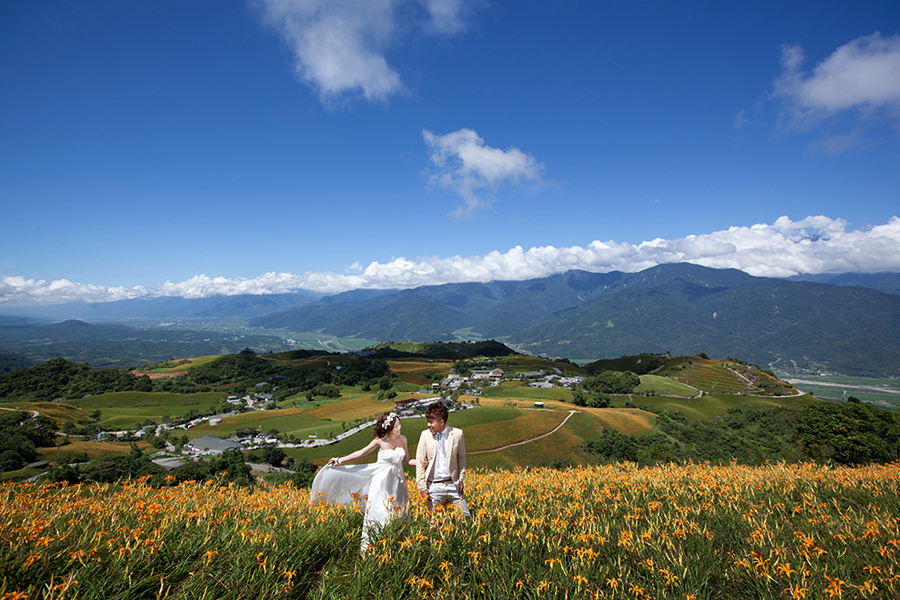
(517,410)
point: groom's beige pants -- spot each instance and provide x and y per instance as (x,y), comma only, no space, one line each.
(446,493)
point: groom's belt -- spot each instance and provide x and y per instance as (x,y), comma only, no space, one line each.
(448,480)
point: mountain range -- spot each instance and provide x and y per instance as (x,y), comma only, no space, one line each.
(680,308)
(846,323)
(168,307)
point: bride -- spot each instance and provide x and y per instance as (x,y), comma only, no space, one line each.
(381,484)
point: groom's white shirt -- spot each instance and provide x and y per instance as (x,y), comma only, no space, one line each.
(441,464)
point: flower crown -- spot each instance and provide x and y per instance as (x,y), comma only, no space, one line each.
(389,421)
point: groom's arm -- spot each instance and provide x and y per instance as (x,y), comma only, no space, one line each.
(421,453)
(461,461)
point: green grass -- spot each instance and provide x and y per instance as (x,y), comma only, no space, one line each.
(723,377)
(123,410)
(132,399)
(710,406)
(293,422)
(664,386)
(712,378)
(178,365)
(527,393)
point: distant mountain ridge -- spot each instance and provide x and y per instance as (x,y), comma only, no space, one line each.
(170,307)
(682,308)
(888,283)
(827,325)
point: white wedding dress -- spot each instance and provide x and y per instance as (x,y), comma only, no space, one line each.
(381,485)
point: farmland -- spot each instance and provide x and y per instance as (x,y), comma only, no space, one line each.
(509,425)
(835,388)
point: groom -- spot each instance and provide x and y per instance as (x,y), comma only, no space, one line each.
(442,480)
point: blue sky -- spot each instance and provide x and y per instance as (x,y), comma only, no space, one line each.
(194,148)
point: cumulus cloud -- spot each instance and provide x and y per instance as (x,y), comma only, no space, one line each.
(863,75)
(339,46)
(19,290)
(463,163)
(816,244)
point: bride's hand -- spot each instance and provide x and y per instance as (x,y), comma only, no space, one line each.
(334,462)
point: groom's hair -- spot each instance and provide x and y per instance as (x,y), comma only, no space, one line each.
(437,410)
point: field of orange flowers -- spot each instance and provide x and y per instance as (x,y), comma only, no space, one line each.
(678,531)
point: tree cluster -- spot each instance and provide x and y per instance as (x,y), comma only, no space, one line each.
(848,434)
(229,467)
(595,391)
(21,436)
(59,378)
(233,368)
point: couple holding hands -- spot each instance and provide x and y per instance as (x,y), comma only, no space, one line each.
(440,471)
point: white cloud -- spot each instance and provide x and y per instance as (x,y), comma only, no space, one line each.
(861,75)
(339,46)
(446,15)
(816,244)
(464,164)
(18,290)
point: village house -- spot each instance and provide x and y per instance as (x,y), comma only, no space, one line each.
(211,445)
(532,374)
(487,374)
(541,384)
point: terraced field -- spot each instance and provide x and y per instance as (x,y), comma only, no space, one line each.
(419,371)
(711,406)
(725,377)
(664,386)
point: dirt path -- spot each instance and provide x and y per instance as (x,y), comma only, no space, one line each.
(528,441)
(34,413)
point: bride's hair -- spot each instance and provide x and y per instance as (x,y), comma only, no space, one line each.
(384,424)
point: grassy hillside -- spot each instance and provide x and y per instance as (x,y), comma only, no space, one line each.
(495,425)
(664,386)
(615,532)
(175,367)
(506,431)
(123,410)
(710,406)
(61,413)
(723,377)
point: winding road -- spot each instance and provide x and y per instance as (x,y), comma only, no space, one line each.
(528,441)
